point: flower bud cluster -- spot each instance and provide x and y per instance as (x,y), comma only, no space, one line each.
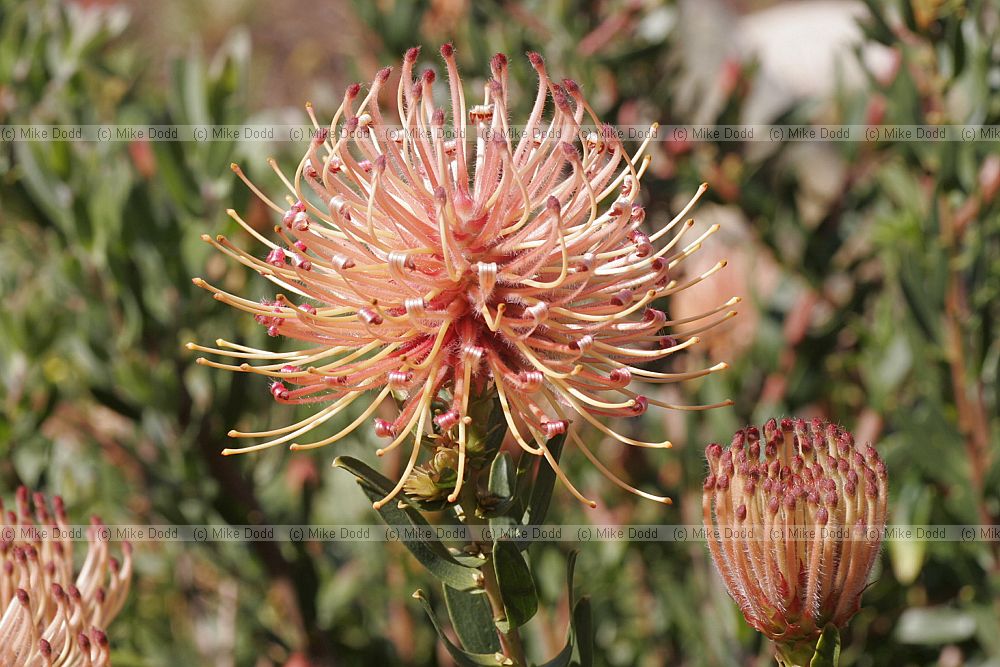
(435,479)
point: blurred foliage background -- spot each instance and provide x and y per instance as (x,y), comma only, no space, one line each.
(870,275)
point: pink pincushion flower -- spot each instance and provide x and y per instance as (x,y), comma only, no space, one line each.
(417,264)
(48,615)
(795,524)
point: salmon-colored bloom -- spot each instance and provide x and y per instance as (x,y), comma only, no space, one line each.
(427,263)
(795,523)
(51,616)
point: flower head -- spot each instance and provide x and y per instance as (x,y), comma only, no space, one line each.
(51,616)
(433,265)
(795,523)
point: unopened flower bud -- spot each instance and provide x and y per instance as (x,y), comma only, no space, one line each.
(795,551)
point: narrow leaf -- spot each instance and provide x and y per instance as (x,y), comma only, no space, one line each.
(583,628)
(462,658)
(502,477)
(517,588)
(417,535)
(486,441)
(570,573)
(413,529)
(563,658)
(502,486)
(472,618)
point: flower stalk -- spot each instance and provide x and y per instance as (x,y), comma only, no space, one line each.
(473,513)
(510,640)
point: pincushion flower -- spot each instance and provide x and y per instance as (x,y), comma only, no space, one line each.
(50,616)
(432,265)
(794,525)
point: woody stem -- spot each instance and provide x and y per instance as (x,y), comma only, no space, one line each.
(510,641)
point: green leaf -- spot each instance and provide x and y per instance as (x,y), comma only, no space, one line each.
(545,479)
(192,88)
(432,554)
(38,182)
(878,29)
(583,629)
(502,487)
(472,618)
(933,626)
(570,573)
(462,658)
(794,654)
(414,531)
(502,477)
(827,648)
(914,507)
(486,441)
(517,588)
(561,659)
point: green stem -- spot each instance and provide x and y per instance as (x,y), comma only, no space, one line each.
(793,656)
(510,641)
(824,652)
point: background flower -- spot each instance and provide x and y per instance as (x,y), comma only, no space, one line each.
(51,613)
(795,521)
